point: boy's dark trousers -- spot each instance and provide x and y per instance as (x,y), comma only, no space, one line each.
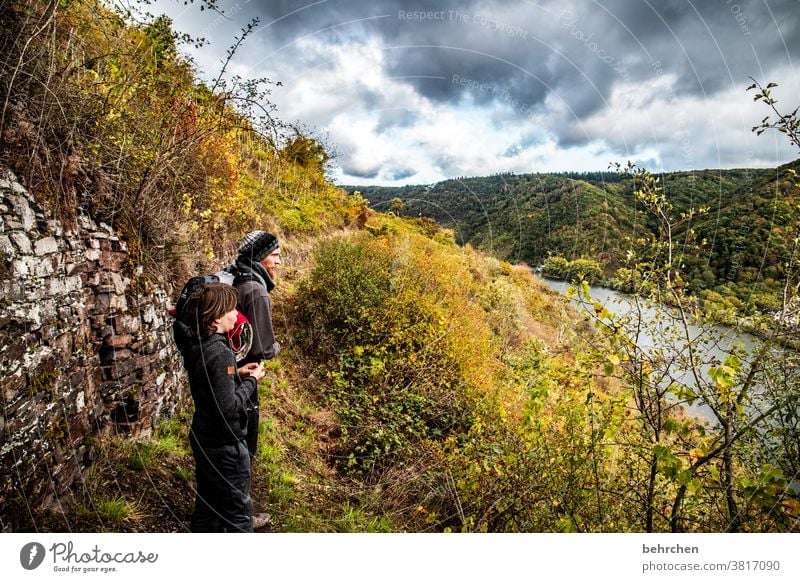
(223,500)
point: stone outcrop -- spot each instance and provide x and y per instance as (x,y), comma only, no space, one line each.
(81,353)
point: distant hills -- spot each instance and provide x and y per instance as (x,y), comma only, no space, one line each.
(528,217)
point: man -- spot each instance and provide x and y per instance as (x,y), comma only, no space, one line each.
(254,278)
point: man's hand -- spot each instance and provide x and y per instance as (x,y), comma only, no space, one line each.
(253,370)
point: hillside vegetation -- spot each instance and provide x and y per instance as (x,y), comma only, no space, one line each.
(423,385)
(100,113)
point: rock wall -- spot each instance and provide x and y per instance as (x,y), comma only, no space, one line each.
(81,353)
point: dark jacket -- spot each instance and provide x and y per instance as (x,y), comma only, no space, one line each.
(220,396)
(253,285)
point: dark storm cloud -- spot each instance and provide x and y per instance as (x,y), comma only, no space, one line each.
(400,173)
(524,51)
(357,172)
(709,46)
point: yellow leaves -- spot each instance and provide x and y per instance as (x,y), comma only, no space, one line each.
(791,506)
(113,115)
(696,453)
(613,361)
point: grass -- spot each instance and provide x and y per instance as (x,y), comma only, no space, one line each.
(170,440)
(184,473)
(116,510)
(358,520)
(141,455)
(144,486)
(292,472)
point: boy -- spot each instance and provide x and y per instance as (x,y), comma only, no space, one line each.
(221,394)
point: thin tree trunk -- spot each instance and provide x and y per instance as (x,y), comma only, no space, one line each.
(651,487)
(734,522)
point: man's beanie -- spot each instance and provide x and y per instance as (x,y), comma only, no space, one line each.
(257,244)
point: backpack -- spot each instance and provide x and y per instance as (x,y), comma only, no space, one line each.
(240,337)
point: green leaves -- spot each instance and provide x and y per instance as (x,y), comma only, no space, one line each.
(724,377)
(377,316)
(583,270)
(684,393)
(786,123)
(693,485)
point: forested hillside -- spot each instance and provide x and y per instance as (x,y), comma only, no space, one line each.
(522,217)
(595,216)
(748,238)
(422,385)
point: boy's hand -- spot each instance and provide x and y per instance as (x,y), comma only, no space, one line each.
(255,370)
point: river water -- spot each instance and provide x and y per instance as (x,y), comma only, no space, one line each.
(663,330)
(622,304)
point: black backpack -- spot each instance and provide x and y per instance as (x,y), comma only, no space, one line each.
(189,288)
(240,337)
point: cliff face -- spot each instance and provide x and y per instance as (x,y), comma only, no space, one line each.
(81,353)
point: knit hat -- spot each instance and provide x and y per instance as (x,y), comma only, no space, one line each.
(257,244)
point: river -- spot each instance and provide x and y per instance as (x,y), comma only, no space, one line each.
(663,331)
(622,304)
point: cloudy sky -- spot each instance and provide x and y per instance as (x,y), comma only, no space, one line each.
(412,91)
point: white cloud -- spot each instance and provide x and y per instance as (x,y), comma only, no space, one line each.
(690,131)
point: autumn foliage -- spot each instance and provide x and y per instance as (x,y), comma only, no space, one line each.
(423,386)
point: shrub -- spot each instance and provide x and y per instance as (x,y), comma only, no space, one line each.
(587,270)
(373,320)
(556,267)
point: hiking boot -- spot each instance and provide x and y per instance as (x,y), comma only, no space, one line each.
(261,520)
